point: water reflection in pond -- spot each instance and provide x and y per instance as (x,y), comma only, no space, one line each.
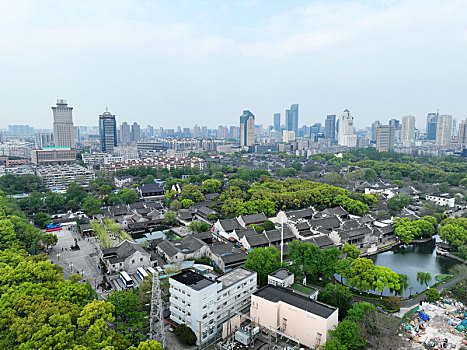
(411,259)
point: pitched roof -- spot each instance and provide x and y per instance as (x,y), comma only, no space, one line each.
(257,240)
(122,251)
(339,211)
(275,235)
(306,213)
(246,232)
(253,218)
(326,223)
(322,242)
(230,225)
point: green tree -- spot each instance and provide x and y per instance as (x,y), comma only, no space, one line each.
(75,192)
(54,201)
(337,295)
(393,303)
(197,226)
(423,277)
(268,225)
(147,345)
(42,219)
(350,250)
(385,278)
(362,272)
(49,240)
(211,186)
(347,333)
(129,317)
(398,202)
(149,179)
(128,196)
(432,295)
(186,203)
(185,334)
(263,261)
(297,166)
(170,218)
(175,205)
(92,205)
(192,192)
(35,201)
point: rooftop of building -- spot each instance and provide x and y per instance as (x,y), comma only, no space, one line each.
(192,279)
(276,294)
(235,275)
(281,273)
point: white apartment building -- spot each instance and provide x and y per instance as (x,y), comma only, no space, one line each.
(60,176)
(442,199)
(205,303)
(408,130)
(64,134)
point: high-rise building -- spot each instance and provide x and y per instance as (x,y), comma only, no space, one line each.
(374,129)
(196,131)
(431,126)
(330,127)
(408,130)
(247,128)
(462,137)
(291,119)
(385,138)
(443,130)
(277,121)
(135,132)
(107,131)
(20,130)
(64,135)
(149,131)
(346,135)
(125,134)
(395,123)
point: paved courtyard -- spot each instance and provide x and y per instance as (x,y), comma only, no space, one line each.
(83,261)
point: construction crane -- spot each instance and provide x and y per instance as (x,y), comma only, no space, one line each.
(156,322)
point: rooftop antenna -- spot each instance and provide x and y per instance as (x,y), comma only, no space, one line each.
(106,109)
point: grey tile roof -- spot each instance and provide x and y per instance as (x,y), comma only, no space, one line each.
(306,213)
(257,240)
(274,236)
(326,223)
(254,218)
(322,242)
(230,225)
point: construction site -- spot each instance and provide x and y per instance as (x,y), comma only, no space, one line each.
(436,325)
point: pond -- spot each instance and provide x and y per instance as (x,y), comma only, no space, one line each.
(411,259)
(153,235)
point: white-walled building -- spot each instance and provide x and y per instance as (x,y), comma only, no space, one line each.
(346,135)
(298,316)
(195,298)
(442,199)
(61,176)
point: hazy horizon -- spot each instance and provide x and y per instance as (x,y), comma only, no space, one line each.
(175,64)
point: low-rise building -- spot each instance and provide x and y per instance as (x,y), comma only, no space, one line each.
(442,199)
(205,304)
(127,256)
(300,317)
(281,277)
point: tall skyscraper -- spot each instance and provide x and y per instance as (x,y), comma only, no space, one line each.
(135,132)
(149,131)
(431,126)
(385,138)
(125,134)
(196,131)
(277,122)
(291,119)
(443,130)
(330,127)
(408,130)
(107,131)
(64,135)
(462,137)
(374,129)
(247,128)
(346,135)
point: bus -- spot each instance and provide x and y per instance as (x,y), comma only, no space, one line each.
(151,270)
(141,273)
(126,279)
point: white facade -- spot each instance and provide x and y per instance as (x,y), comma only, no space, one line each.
(62,175)
(194,298)
(444,130)
(64,135)
(442,200)
(288,136)
(346,135)
(408,130)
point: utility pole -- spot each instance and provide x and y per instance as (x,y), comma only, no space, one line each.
(282,241)
(156,322)
(200,346)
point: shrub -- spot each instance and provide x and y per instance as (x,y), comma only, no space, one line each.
(185,334)
(432,295)
(268,225)
(393,303)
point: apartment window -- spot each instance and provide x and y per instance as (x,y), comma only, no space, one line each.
(141,259)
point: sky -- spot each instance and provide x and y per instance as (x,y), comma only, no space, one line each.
(170,63)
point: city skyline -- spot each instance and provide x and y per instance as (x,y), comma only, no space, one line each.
(361,56)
